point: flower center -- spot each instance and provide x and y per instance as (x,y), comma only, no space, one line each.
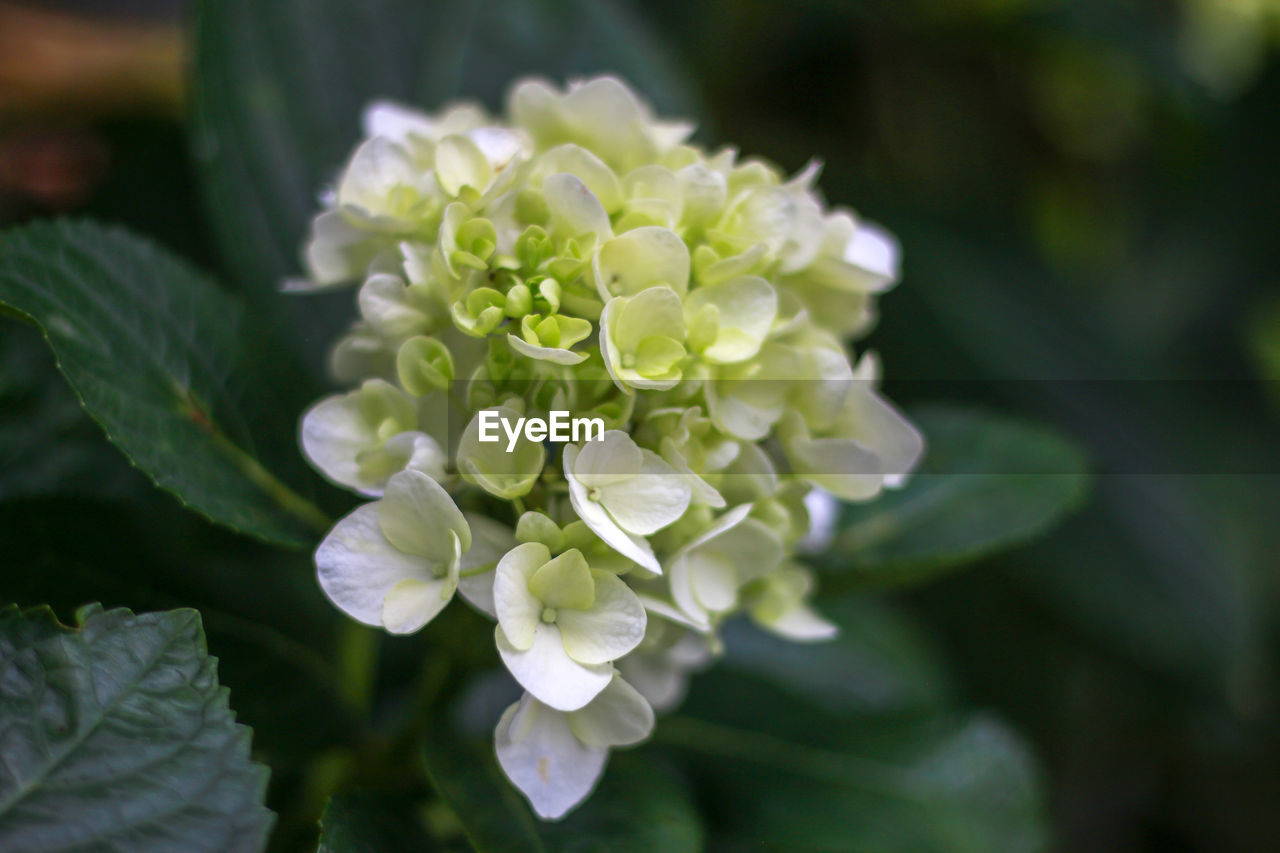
(593,494)
(549,615)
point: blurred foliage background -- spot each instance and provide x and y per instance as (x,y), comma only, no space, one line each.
(1088,195)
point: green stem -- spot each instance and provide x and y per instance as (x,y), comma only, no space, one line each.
(478,570)
(285,497)
(358,663)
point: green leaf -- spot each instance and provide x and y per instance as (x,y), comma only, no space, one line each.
(879,662)
(368,822)
(637,806)
(169,365)
(263,613)
(279,88)
(987,483)
(117,736)
(777,774)
(48,445)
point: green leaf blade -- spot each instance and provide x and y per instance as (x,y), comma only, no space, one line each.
(162,359)
(988,483)
(117,736)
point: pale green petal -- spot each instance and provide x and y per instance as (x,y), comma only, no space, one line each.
(554,355)
(564,582)
(460,163)
(619,716)
(517,609)
(578,161)
(416,515)
(413,603)
(649,501)
(634,548)
(611,627)
(640,259)
(489,464)
(616,458)
(746,308)
(574,210)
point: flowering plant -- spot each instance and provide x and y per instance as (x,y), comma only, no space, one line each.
(579,255)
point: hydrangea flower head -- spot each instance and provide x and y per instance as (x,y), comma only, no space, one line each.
(577,256)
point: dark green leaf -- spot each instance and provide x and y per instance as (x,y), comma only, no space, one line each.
(777,774)
(880,661)
(118,737)
(169,365)
(368,822)
(273,124)
(987,483)
(271,644)
(48,445)
(637,806)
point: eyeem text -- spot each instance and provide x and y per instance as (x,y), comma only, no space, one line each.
(560,427)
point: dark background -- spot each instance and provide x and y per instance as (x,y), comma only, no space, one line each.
(1087,196)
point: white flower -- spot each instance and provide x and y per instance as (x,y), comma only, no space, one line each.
(707,573)
(660,666)
(562,623)
(489,541)
(555,757)
(624,492)
(864,446)
(360,439)
(778,602)
(394,563)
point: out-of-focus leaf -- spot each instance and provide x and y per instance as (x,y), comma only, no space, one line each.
(264,616)
(117,736)
(880,661)
(272,127)
(48,445)
(987,483)
(168,364)
(776,774)
(368,822)
(637,807)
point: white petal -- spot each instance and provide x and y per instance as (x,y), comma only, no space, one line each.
(634,548)
(517,609)
(413,603)
(417,515)
(639,259)
(489,541)
(556,355)
(802,624)
(395,122)
(333,434)
(357,566)
(610,628)
(540,755)
(574,210)
(547,671)
(874,250)
(338,252)
(619,716)
(650,501)
(460,163)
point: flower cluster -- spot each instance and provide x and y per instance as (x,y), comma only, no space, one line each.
(580,256)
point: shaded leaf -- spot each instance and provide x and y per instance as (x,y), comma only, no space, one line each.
(271,644)
(879,662)
(987,483)
(168,364)
(369,822)
(779,774)
(117,736)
